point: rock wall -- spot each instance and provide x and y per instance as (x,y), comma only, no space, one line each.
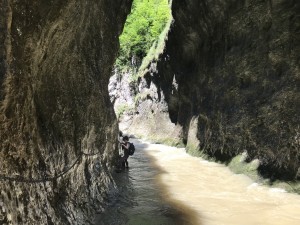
(57,125)
(237,68)
(230,77)
(142,109)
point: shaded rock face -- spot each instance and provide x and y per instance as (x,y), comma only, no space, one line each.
(57,125)
(237,68)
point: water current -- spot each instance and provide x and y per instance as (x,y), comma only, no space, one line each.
(164,185)
(138,197)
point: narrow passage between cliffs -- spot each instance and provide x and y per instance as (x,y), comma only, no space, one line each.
(164,185)
(138,198)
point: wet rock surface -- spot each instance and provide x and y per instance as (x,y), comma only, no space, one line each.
(230,78)
(236,65)
(57,125)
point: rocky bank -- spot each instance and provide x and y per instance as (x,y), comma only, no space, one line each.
(57,125)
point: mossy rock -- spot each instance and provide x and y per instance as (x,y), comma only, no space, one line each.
(240,166)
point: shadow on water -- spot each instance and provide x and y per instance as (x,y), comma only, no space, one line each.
(139,198)
(188,215)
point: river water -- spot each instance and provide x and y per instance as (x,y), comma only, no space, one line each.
(164,185)
(137,200)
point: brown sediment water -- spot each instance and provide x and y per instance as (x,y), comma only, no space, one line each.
(210,194)
(136,199)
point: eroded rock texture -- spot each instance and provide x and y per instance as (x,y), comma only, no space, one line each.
(57,124)
(142,109)
(230,77)
(237,68)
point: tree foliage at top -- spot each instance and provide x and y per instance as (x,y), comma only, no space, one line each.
(143,27)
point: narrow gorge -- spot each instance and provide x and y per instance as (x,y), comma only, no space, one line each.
(226,86)
(227,83)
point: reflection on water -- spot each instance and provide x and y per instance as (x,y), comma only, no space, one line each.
(137,199)
(219,197)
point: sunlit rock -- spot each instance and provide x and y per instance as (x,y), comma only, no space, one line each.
(233,65)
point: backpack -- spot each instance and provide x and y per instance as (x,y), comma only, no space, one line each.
(131,149)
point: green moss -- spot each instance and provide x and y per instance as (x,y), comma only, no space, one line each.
(141,97)
(239,166)
(293,187)
(166,141)
(173,142)
(194,151)
(137,98)
(121,109)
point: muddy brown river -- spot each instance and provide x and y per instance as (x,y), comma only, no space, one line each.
(164,185)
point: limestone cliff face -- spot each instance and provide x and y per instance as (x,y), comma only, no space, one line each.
(142,109)
(57,125)
(237,68)
(230,77)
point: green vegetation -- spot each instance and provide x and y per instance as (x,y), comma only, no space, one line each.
(141,97)
(239,166)
(142,31)
(123,108)
(165,140)
(157,47)
(194,151)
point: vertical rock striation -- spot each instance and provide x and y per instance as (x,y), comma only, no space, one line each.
(57,125)
(230,77)
(237,68)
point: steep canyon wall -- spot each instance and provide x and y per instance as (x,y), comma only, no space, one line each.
(57,125)
(237,68)
(230,77)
